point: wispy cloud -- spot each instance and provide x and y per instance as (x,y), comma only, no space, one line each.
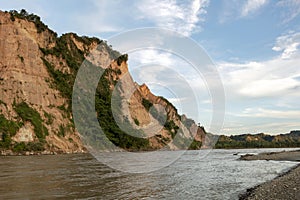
(233,9)
(115,16)
(101,17)
(174,15)
(252,6)
(270,113)
(291,9)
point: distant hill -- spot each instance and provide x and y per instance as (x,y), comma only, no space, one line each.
(260,140)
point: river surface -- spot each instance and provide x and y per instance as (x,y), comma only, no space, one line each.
(219,175)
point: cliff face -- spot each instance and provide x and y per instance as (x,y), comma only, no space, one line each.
(37,72)
(152,116)
(26,88)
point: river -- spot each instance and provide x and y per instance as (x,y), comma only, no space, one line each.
(219,175)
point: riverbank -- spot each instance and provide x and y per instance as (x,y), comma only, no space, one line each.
(285,186)
(32,153)
(280,156)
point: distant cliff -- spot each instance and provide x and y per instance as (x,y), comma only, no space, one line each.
(260,140)
(37,73)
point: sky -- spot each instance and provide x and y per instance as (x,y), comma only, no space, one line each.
(253,44)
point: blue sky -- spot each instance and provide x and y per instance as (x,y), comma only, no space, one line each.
(253,43)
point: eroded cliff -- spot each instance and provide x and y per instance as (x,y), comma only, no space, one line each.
(37,73)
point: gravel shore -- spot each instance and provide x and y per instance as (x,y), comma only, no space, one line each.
(284,155)
(285,186)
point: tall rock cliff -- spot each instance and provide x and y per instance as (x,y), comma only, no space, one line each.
(37,73)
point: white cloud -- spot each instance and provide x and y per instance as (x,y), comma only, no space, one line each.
(252,6)
(288,44)
(116,16)
(291,9)
(269,128)
(162,66)
(170,14)
(261,88)
(271,88)
(175,100)
(146,56)
(271,78)
(270,113)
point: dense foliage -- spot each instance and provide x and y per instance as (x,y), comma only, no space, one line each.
(67,50)
(7,130)
(259,141)
(30,146)
(29,114)
(108,124)
(195,145)
(122,58)
(171,127)
(147,104)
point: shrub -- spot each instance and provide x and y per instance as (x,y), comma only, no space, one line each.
(61,131)
(23,14)
(136,121)
(6,141)
(21,58)
(171,127)
(122,58)
(30,146)
(29,114)
(19,147)
(49,118)
(8,127)
(147,104)
(195,145)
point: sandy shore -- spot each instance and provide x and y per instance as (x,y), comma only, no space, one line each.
(285,186)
